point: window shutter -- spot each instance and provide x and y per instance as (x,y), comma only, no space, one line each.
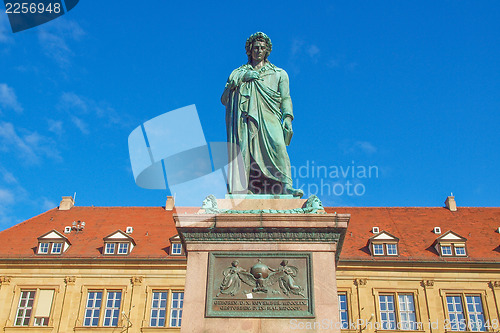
(44,303)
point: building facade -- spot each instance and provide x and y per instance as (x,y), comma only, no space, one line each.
(119,269)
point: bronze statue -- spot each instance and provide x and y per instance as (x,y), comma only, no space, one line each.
(259,118)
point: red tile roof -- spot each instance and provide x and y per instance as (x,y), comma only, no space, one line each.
(414,228)
(153,226)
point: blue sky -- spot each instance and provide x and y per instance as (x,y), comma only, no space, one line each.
(411,89)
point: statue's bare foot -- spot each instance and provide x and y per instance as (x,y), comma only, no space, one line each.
(295,192)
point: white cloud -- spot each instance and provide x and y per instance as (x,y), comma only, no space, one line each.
(6,196)
(8,99)
(349,147)
(333,63)
(340,61)
(300,51)
(80,124)
(29,146)
(10,193)
(54,38)
(79,108)
(48,204)
(7,176)
(366,147)
(297,45)
(73,102)
(313,51)
(55,126)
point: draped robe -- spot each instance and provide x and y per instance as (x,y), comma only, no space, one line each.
(254,114)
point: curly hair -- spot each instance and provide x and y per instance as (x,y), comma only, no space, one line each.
(258,36)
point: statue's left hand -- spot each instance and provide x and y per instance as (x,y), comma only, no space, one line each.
(287,123)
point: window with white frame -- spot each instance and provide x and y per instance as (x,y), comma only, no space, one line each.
(387,312)
(384,249)
(465,318)
(176,309)
(52,242)
(460,250)
(112,309)
(158,309)
(118,243)
(176,248)
(343,311)
(163,303)
(397,311)
(95,306)
(43,248)
(56,248)
(451,244)
(121,248)
(50,248)
(110,248)
(453,249)
(378,249)
(25,308)
(446,250)
(407,316)
(392,249)
(34,307)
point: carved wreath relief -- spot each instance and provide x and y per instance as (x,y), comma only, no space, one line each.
(262,279)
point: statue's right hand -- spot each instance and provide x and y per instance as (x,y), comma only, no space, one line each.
(250,75)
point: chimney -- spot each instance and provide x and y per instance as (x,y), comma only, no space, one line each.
(66,203)
(169,205)
(450,203)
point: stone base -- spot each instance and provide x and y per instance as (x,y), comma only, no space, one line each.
(318,237)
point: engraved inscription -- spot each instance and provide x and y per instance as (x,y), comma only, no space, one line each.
(260,285)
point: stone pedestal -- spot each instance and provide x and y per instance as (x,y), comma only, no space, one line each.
(261,272)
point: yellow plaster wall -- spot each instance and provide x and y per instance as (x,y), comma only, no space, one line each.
(72,282)
(429,285)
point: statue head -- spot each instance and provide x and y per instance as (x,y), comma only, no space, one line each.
(235,263)
(261,37)
(209,205)
(313,204)
(209,202)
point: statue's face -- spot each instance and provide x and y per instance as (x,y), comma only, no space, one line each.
(259,49)
(317,204)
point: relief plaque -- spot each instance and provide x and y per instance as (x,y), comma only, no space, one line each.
(268,285)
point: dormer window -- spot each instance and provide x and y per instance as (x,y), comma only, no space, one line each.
(392,249)
(460,250)
(110,248)
(43,248)
(118,243)
(383,244)
(446,250)
(56,248)
(451,244)
(52,242)
(378,249)
(122,248)
(176,248)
